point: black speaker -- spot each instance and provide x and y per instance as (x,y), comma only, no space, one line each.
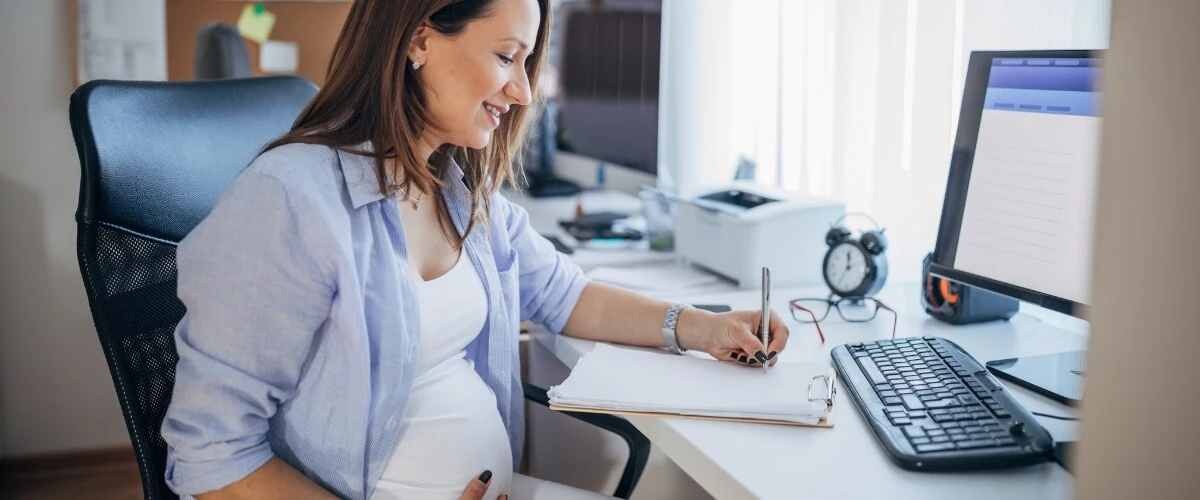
(959,304)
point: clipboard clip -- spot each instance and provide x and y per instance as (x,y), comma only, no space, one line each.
(824,384)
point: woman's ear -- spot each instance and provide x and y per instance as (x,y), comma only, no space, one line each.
(418,46)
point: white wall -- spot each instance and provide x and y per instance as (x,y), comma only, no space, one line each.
(1138,437)
(55,391)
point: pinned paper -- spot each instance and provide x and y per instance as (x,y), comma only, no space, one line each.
(256,22)
(278,57)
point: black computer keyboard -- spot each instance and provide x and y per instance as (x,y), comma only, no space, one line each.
(935,408)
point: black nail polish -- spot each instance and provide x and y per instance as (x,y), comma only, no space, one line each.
(753,362)
(762,358)
(742,359)
(772,355)
(485,477)
(733,355)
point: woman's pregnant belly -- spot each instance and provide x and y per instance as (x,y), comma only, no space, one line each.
(452,433)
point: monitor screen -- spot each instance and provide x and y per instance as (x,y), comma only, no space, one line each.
(1019,209)
(605,66)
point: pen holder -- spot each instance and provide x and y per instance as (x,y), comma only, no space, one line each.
(960,304)
(660,219)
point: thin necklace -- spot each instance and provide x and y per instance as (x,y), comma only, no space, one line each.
(416,203)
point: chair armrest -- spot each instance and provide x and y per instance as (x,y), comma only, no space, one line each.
(639,445)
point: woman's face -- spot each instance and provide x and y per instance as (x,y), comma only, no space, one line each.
(471,79)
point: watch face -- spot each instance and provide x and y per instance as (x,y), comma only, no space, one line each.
(846,267)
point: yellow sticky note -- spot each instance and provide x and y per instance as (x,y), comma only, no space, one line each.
(256,22)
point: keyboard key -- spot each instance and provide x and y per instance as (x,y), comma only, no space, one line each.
(942,418)
(887,394)
(980,415)
(912,403)
(920,440)
(1006,441)
(901,421)
(966,399)
(871,371)
(939,439)
(904,391)
(892,401)
(935,432)
(975,443)
(913,431)
(916,414)
(954,430)
(942,403)
(932,447)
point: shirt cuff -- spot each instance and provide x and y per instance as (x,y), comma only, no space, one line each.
(192,478)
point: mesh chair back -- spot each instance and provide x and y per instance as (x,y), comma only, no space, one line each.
(155,156)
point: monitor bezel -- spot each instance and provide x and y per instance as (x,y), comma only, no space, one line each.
(961,162)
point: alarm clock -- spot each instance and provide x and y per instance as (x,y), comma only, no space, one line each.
(855,266)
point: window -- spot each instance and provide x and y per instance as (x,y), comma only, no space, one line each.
(858,99)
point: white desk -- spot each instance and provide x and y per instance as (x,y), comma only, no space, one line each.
(737,460)
(733,460)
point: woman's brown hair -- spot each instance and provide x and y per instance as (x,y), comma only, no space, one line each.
(371,95)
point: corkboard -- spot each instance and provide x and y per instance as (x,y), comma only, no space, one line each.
(313,26)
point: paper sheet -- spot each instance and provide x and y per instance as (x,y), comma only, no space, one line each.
(256,23)
(617,378)
(278,57)
(122,40)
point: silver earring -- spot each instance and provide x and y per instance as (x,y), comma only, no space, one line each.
(416,64)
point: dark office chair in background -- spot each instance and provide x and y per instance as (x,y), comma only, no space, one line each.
(155,156)
(221,53)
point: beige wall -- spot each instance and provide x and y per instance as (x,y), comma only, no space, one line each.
(1138,435)
(55,391)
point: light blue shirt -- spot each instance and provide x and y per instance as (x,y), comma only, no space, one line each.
(301,333)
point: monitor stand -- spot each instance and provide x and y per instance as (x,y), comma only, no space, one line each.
(1058,376)
(544,185)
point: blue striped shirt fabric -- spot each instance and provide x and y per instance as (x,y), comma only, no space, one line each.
(301,331)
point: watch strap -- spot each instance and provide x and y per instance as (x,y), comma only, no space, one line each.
(670,331)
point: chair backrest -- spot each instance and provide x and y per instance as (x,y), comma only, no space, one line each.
(155,156)
(220,53)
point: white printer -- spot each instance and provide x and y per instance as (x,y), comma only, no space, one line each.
(737,229)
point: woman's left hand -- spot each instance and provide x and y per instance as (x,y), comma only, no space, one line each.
(732,336)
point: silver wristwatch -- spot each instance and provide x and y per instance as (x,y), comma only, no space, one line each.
(669,331)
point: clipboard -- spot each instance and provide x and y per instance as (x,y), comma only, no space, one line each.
(823,385)
(624,381)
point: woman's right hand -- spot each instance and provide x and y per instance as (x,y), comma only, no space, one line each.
(478,486)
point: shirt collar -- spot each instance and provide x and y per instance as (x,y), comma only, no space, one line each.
(362,182)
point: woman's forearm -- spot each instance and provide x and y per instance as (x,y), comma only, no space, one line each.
(274,480)
(610,314)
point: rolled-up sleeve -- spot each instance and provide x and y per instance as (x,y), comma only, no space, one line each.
(550,282)
(256,291)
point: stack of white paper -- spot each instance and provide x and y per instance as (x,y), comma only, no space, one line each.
(618,379)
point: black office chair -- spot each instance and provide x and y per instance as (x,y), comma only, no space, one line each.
(155,156)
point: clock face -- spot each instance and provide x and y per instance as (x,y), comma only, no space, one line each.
(846,267)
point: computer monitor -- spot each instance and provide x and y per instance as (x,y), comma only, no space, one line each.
(603,86)
(1019,210)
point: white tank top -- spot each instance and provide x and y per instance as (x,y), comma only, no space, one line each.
(452,430)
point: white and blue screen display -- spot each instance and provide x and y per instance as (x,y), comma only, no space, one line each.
(1030,201)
